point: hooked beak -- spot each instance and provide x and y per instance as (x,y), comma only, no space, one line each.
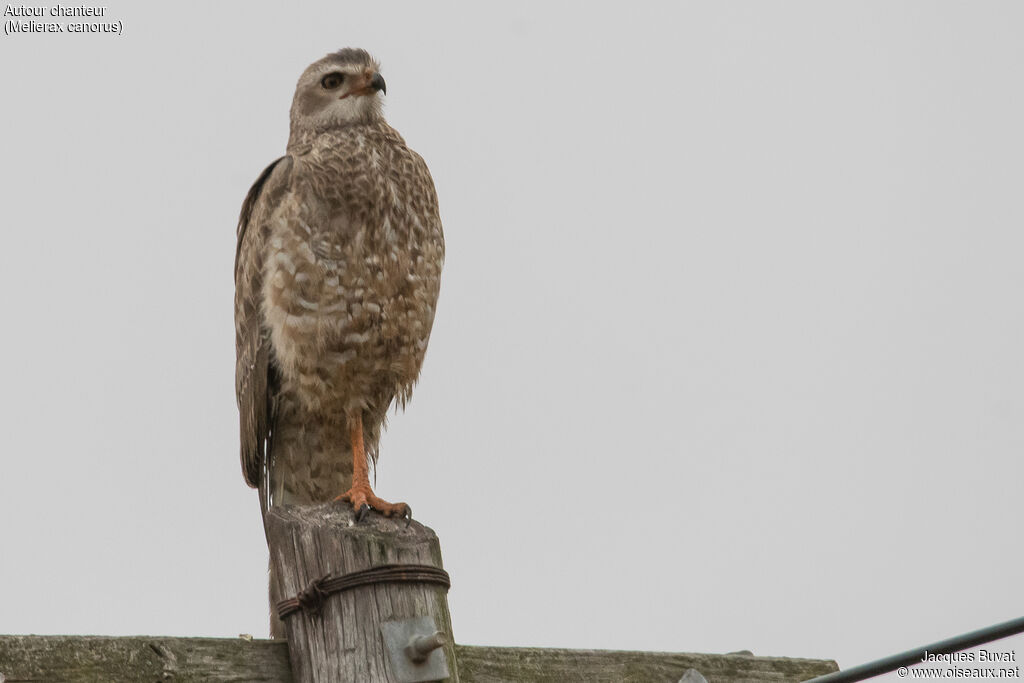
(373,85)
(377,83)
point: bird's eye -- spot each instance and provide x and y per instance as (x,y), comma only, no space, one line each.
(332,81)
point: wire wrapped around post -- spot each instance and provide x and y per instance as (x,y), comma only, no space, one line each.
(311,599)
(340,585)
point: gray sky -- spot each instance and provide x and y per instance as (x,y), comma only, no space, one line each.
(728,353)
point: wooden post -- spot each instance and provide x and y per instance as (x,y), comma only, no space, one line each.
(343,641)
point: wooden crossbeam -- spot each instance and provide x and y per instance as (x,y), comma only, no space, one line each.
(97,659)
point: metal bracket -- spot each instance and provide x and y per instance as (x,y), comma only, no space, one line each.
(415,648)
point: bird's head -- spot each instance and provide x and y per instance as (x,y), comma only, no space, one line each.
(342,88)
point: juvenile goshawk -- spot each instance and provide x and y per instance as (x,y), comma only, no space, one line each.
(337,272)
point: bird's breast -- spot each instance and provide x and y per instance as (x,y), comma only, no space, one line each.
(350,288)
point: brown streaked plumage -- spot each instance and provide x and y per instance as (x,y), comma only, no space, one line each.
(337,273)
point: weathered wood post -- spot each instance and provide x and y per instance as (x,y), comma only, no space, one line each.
(364,601)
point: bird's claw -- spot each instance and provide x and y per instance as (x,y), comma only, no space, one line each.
(364,509)
(362,499)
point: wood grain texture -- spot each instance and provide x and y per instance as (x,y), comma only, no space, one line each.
(98,659)
(92,659)
(343,642)
(543,665)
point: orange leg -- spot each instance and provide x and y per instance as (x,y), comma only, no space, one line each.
(361,496)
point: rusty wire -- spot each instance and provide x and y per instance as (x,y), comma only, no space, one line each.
(311,599)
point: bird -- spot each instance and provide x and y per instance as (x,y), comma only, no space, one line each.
(337,274)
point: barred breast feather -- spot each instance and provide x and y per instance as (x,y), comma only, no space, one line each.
(338,273)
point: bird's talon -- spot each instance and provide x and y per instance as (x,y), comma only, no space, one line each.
(364,510)
(362,499)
